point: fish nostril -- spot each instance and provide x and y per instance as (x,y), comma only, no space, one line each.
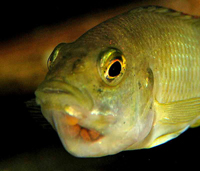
(78,66)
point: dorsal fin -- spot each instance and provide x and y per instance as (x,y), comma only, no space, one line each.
(170,12)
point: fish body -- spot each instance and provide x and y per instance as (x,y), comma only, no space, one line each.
(131,82)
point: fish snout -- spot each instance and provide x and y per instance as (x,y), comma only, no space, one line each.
(59,95)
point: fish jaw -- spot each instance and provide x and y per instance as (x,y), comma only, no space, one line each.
(82,140)
(77,139)
(79,135)
(81,131)
(85,134)
(85,128)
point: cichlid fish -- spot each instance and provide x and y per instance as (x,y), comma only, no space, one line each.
(131,82)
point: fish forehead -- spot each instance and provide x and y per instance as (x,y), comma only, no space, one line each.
(144,25)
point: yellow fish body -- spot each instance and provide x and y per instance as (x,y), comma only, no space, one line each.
(131,82)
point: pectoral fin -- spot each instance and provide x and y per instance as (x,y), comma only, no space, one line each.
(172,119)
(166,137)
(179,112)
(196,123)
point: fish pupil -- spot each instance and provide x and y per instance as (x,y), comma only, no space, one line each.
(115,69)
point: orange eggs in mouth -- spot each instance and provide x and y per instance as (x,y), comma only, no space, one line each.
(74,130)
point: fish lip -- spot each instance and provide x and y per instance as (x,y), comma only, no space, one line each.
(57,87)
(55,91)
(60,88)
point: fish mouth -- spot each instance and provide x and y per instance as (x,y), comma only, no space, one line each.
(55,91)
(67,121)
(71,129)
(85,134)
(64,93)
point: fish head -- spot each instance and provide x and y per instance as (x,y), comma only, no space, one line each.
(97,96)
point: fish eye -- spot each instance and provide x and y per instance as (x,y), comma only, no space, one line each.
(112,65)
(54,55)
(115,69)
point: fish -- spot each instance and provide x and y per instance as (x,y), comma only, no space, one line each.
(131,82)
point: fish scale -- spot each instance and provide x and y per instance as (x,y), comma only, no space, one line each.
(176,61)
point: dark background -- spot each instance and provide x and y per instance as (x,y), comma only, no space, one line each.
(25,145)
(22,17)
